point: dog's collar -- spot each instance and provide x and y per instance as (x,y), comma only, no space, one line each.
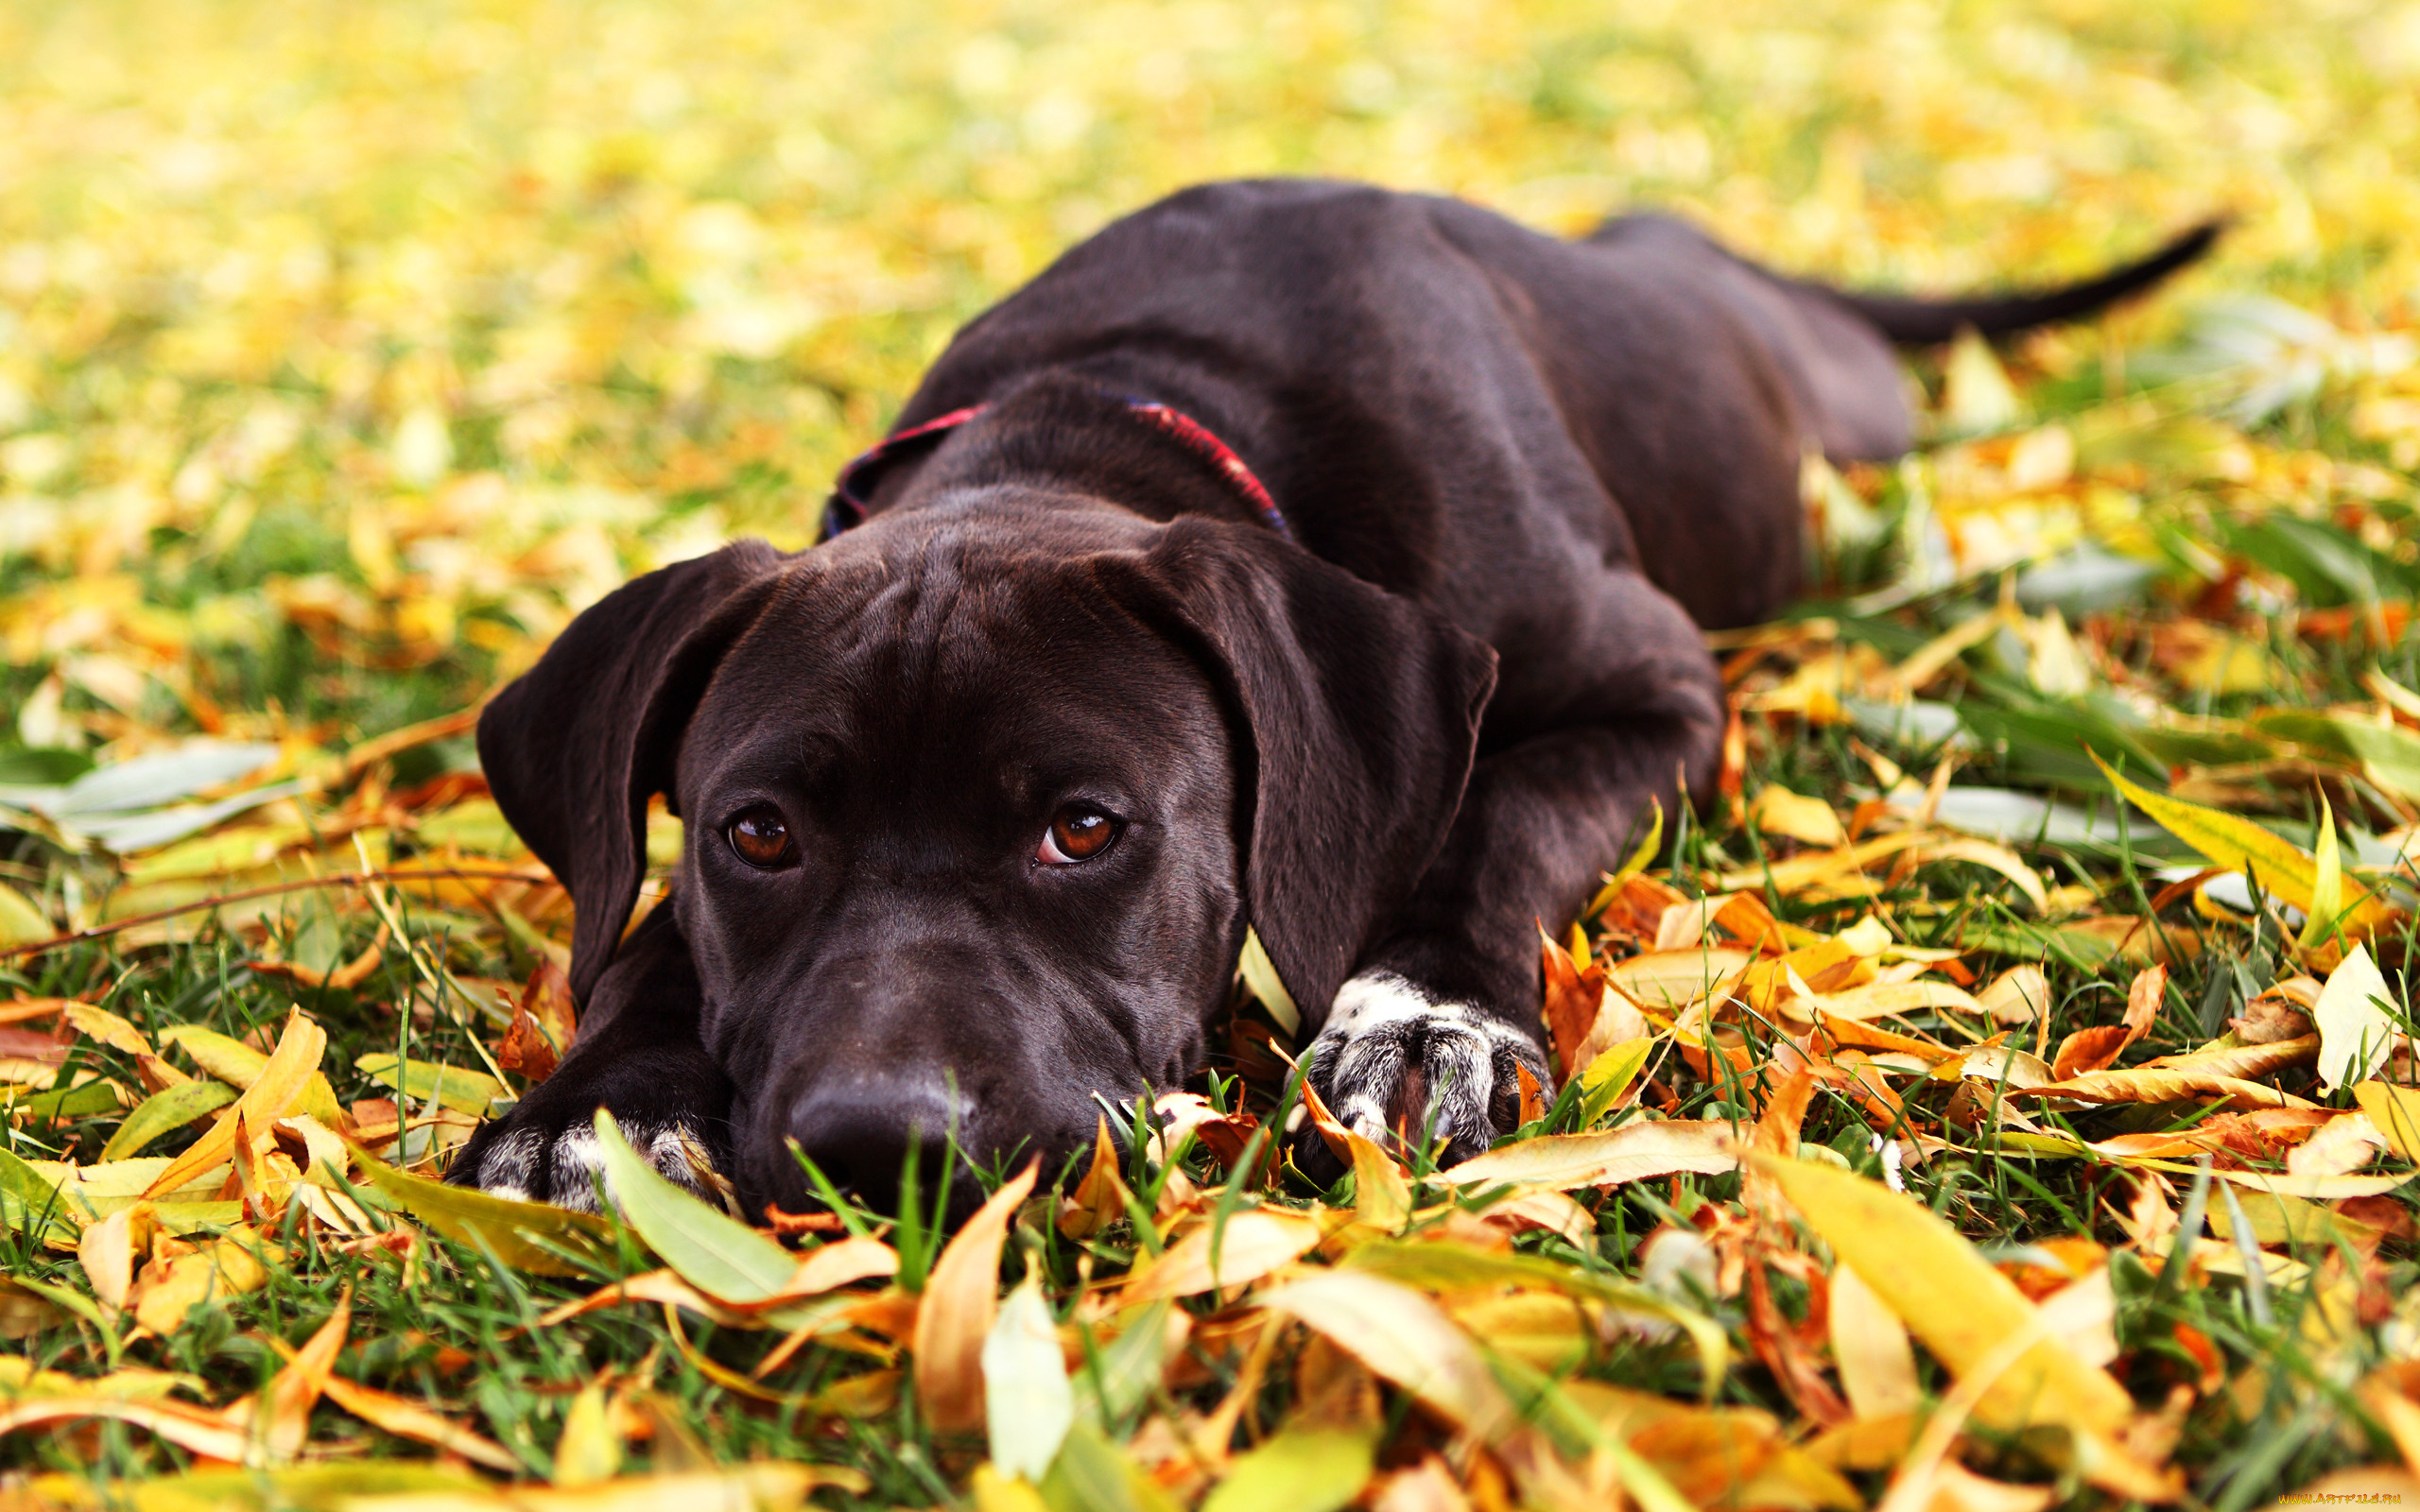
(852,491)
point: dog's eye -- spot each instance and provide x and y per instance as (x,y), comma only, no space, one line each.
(1077,833)
(761,838)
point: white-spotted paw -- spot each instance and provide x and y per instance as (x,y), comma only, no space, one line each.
(1392,1056)
(566,1166)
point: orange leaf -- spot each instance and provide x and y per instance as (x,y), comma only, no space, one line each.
(410,1420)
(960,1299)
(281,1419)
(272,1095)
(1101,1198)
(1573,995)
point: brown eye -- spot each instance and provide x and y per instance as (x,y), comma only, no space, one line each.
(761,838)
(1077,833)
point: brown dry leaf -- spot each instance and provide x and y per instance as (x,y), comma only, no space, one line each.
(1250,1244)
(2097,1048)
(2164,1084)
(544,1023)
(960,1299)
(1965,1312)
(272,1095)
(1632,1153)
(2246,1061)
(523,1049)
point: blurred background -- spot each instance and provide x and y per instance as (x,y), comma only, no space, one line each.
(346,349)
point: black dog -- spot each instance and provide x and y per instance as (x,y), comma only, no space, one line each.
(1295,554)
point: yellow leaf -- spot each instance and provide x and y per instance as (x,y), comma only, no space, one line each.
(1976,395)
(1260,974)
(1632,1153)
(239,1065)
(1870,1345)
(1883,999)
(107,1027)
(960,1297)
(589,1450)
(1382,1198)
(1402,1336)
(2397,1112)
(272,1095)
(229,1266)
(1971,1317)
(21,923)
(1779,811)
(1665,980)
(1250,1244)
(2328,882)
(2240,845)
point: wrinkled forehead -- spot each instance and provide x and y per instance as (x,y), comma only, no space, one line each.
(984,657)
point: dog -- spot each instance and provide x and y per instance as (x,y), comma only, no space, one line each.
(1290,555)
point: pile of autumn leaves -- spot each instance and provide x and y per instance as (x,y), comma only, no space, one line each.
(1135,1388)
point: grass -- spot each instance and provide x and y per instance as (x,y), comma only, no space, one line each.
(351,349)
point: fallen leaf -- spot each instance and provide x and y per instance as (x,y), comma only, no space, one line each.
(521,1234)
(1631,1153)
(1403,1337)
(1299,1469)
(1250,1245)
(2355,1032)
(958,1309)
(713,1251)
(1028,1404)
(1964,1312)
(1102,1197)
(1870,1345)
(272,1095)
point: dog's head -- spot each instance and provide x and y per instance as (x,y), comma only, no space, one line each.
(978,804)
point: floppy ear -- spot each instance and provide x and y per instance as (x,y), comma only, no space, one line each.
(575,746)
(1362,712)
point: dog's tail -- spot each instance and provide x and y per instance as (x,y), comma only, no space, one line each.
(1916,322)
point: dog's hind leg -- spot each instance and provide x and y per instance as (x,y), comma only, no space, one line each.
(1430,1030)
(639,1058)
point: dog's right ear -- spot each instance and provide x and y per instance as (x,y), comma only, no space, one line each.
(575,747)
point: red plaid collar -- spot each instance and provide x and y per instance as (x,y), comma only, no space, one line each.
(852,492)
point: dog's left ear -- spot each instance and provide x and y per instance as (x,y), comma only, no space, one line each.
(1361,711)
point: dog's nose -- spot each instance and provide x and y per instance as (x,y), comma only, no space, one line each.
(860,1133)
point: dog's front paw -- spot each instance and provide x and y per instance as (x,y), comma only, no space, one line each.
(546,1149)
(1392,1057)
